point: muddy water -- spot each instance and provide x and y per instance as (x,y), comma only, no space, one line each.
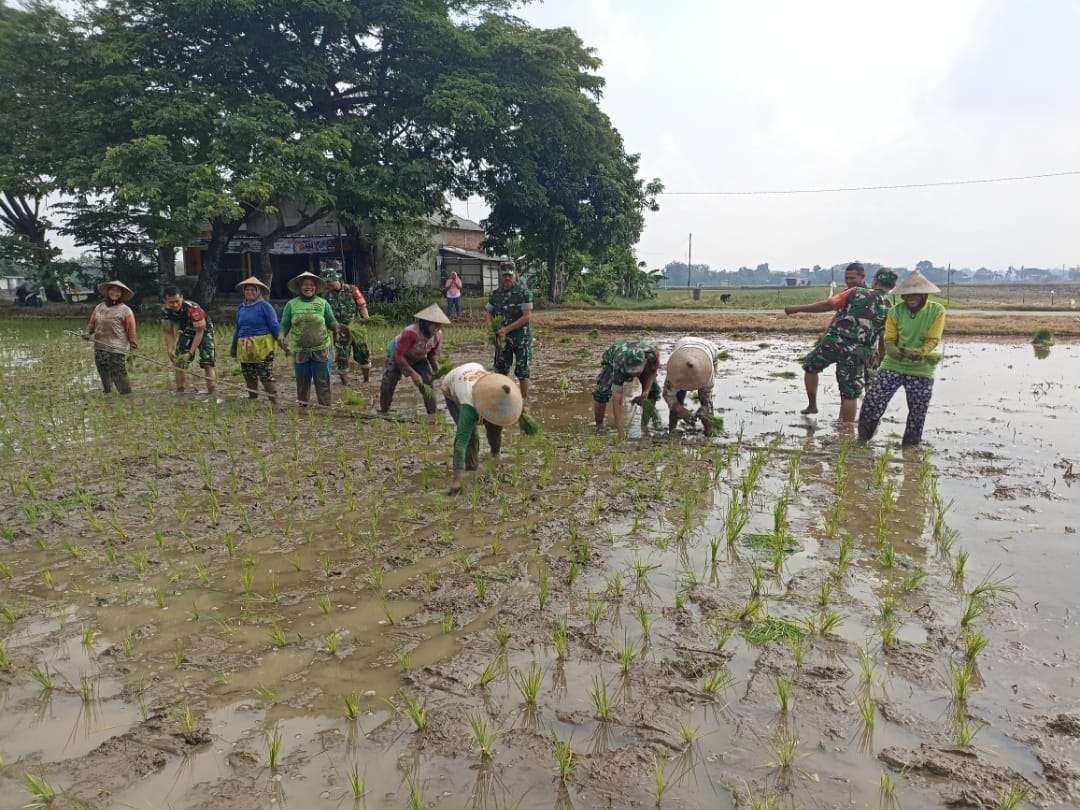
(342,540)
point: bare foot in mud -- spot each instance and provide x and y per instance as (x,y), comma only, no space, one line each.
(808,410)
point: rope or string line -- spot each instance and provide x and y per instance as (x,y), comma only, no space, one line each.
(838,189)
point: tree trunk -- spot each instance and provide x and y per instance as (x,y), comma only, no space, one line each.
(166,267)
(266,268)
(206,286)
(554,287)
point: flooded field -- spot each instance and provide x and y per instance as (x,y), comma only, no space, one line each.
(213,604)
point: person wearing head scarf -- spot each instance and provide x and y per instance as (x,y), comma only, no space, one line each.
(850,341)
(350,309)
(913,331)
(414,354)
(453,288)
(691,367)
(309,325)
(475,395)
(623,361)
(256,335)
(112,328)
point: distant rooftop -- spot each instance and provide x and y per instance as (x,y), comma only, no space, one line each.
(454,223)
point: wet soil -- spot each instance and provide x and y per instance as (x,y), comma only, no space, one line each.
(201,582)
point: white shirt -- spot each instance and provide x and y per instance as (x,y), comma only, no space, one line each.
(458,384)
(697,343)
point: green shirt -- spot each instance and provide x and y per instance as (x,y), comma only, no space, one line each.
(511,304)
(308,325)
(921,331)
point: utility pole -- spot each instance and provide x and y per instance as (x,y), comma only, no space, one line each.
(948,286)
(689,260)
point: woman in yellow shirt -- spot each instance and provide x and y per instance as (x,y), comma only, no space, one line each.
(913,330)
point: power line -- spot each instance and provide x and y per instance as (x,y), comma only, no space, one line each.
(936,184)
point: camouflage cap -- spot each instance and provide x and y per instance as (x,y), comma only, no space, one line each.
(886,278)
(331,275)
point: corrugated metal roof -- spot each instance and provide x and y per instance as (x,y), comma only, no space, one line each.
(473,254)
(454,222)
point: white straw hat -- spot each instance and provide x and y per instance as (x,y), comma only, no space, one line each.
(915,283)
(432,314)
(294,283)
(251,281)
(497,399)
(125,291)
(689,368)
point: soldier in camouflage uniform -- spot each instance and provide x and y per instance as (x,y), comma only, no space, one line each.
(349,305)
(623,361)
(513,302)
(188,332)
(850,342)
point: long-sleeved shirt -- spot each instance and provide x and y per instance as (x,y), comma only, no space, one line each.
(113,327)
(921,332)
(254,320)
(457,387)
(411,347)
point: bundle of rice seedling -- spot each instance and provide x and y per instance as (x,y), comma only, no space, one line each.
(713,424)
(443,370)
(528,425)
(357,332)
(648,410)
(497,323)
(1043,337)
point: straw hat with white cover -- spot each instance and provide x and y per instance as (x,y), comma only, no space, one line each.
(689,368)
(125,292)
(915,283)
(251,281)
(294,283)
(497,399)
(432,314)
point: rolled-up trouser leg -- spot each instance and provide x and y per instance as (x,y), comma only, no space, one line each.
(322,383)
(251,379)
(391,376)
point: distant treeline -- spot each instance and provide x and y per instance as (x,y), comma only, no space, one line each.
(762,276)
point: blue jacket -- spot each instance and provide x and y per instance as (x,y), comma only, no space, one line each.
(255,319)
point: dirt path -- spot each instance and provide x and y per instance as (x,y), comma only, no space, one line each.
(1013,324)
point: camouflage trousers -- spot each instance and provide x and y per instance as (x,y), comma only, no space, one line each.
(112,369)
(260,371)
(346,345)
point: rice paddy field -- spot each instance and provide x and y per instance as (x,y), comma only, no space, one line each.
(206,602)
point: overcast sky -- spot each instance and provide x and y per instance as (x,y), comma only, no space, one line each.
(735,96)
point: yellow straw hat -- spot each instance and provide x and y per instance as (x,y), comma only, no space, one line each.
(251,281)
(125,292)
(689,368)
(432,314)
(294,283)
(497,399)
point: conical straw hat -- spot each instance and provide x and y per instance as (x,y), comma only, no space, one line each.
(497,399)
(125,292)
(432,314)
(294,283)
(915,283)
(689,368)
(251,281)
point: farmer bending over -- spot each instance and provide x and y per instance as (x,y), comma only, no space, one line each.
(188,332)
(623,361)
(850,340)
(349,306)
(414,354)
(691,367)
(475,395)
(309,325)
(913,331)
(513,302)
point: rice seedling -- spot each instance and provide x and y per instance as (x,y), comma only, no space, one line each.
(404,661)
(564,756)
(721,633)
(757,580)
(615,586)
(974,608)
(543,590)
(886,554)
(573,571)
(247,580)
(974,644)
(824,594)
(868,716)
(964,732)
(266,693)
(829,622)
(887,793)
(87,689)
(959,678)
(178,654)
(989,589)
(5,659)
(626,654)
(866,668)
(352,707)
(600,700)
(416,711)
(186,719)
(330,642)
(784,748)
(356,784)
(831,527)
(794,479)
(416,790)
(784,696)
(273,748)
(752,610)
(736,516)
(41,790)
(493,670)
(8,615)
(660,779)
(912,582)
(47,580)
(502,636)
(447,623)
(645,621)
(481,587)
(483,733)
(324,604)
(559,638)
(528,683)
(89,634)
(1012,798)
(844,555)
(715,683)
(957,566)
(5,570)
(772,630)
(194,614)
(881,466)
(763,801)
(42,677)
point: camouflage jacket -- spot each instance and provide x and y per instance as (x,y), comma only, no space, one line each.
(511,304)
(630,358)
(343,303)
(860,322)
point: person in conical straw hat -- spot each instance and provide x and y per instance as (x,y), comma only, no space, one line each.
(691,367)
(474,395)
(350,309)
(414,354)
(913,331)
(309,325)
(112,328)
(257,334)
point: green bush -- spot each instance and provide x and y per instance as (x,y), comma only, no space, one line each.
(411,301)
